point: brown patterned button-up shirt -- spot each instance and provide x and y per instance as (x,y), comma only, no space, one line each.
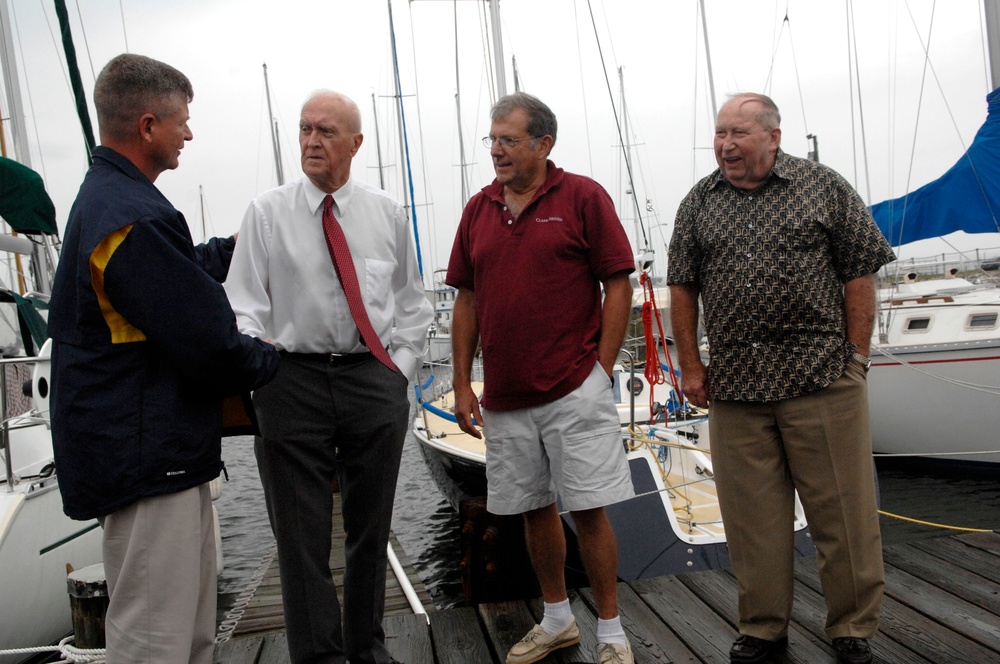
(771,266)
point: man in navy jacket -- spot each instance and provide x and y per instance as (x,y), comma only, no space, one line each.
(145,347)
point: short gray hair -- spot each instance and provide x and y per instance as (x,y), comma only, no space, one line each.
(767,117)
(131,85)
(541,119)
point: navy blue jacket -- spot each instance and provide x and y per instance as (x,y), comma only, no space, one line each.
(145,346)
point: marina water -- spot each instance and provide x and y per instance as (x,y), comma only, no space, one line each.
(428,529)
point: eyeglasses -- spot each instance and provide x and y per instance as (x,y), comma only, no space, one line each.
(505,141)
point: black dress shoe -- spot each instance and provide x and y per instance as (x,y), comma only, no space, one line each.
(852,650)
(751,650)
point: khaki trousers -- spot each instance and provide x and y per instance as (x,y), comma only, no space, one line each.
(159,559)
(819,444)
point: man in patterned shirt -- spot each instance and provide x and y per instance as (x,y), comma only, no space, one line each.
(783,253)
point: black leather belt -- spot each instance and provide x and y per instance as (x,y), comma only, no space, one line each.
(333,359)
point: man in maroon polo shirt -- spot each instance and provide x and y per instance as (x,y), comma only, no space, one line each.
(533,250)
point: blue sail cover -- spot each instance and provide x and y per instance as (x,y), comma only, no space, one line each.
(966,198)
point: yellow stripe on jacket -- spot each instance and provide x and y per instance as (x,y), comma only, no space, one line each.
(121,330)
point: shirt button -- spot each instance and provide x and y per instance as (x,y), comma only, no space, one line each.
(510,221)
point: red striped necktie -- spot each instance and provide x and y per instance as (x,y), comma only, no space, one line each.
(344,265)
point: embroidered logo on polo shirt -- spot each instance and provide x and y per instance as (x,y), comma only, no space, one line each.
(540,220)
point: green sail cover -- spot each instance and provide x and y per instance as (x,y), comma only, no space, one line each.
(24,203)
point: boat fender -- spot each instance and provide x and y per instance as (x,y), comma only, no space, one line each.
(39,392)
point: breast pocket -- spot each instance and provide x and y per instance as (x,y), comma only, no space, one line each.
(378,291)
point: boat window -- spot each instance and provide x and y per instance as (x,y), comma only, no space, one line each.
(918,324)
(982,321)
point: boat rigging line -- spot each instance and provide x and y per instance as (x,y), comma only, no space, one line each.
(273,123)
(405,148)
(618,125)
(855,79)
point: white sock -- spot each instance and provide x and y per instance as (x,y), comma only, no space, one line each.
(557,617)
(610,631)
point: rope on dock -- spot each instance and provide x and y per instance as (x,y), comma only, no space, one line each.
(935,525)
(235,613)
(68,653)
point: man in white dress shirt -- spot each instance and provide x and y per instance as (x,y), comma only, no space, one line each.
(334,410)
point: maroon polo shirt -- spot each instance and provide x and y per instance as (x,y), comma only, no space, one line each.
(536,281)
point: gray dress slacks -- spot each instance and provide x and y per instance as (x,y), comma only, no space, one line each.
(319,420)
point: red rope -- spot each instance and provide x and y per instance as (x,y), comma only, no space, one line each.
(654,370)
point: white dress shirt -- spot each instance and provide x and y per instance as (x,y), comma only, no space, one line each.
(282,284)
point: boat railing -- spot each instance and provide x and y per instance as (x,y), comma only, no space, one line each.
(980,261)
(17,409)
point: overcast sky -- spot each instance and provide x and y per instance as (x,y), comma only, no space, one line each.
(803,64)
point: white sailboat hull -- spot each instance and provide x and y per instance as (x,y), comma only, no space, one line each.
(941,398)
(37,542)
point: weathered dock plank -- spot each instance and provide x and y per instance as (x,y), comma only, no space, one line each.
(718,589)
(274,649)
(239,651)
(959,551)
(946,575)
(696,623)
(941,605)
(651,639)
(927,634)
(458,637)
(984,541)
(408,638)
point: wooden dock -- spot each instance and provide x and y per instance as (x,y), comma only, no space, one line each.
(263,612)
(942,605)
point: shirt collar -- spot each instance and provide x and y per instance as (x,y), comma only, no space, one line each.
(315,195)
(779,170)
(553,176)
(121,162)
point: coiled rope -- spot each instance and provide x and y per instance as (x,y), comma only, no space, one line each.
(233,616)
(67,652)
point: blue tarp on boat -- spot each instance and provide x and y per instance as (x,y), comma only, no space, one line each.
(966,198)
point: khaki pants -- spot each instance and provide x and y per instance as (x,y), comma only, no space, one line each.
(159,558)
(819,444)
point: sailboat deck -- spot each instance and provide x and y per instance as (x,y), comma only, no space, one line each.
(942,604)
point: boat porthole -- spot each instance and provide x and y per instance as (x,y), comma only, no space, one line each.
(636,387)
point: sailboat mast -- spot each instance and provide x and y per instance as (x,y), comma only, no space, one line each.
(12,88)
(992,8)
(40,255)
(201,203)
(627,152)
(498,48)
(274,132)
(708,59)
(404,148)
(378,145)
(458,110)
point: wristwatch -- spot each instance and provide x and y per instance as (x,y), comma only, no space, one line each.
(866,362)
